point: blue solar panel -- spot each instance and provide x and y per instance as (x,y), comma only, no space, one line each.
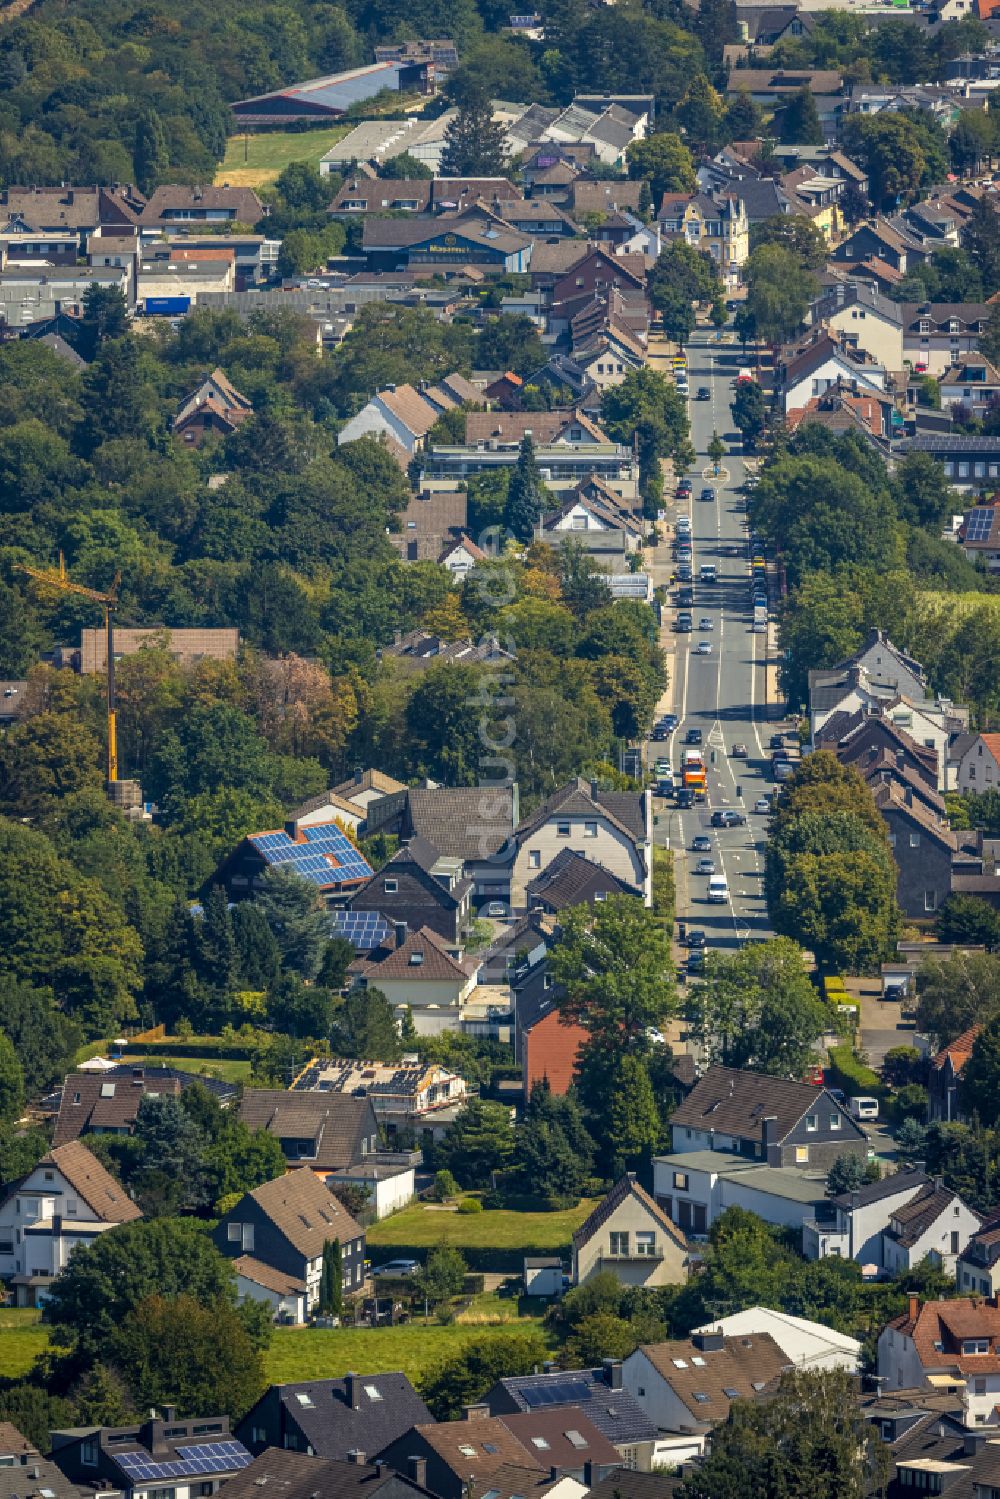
(207,1457)
(309,857)
(364,929)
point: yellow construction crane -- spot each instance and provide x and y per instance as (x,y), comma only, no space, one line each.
(58,578)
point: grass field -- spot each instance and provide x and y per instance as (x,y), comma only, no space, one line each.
(208,1066)
(326,1353)
(424,1227)
(256,160)
(22,1339)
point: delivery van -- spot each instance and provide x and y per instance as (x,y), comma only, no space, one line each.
(718,888)
(863,1108)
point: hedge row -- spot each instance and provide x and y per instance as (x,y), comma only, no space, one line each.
(481,1260)
(199,1050)
(853,1076)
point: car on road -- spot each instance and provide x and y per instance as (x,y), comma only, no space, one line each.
(708,493)
(701,843)
(397,1267)
(728,819)
(684,486)
(659,732)
(693,736)
(705,866)
(668,722)
(704,648)
(662,767)
(763,805)
(684,572)
(704,394)
(739,752)
(696,939)
(776,741)
(706,623)
(696,961)
(685,798)
(782,770)
(683,624)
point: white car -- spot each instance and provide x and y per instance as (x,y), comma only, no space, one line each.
(706,623)
(763,805)
(704,648)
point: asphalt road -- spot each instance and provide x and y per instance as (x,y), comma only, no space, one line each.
(723,694)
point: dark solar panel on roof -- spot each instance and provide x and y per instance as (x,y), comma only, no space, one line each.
(979,524)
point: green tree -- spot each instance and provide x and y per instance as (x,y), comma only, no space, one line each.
(294,912)
(793,232)
(983,244)
(526,494)
(45,1040)
(647,409)
(700,114)
(45,758)
(443,1274)
(151,155)
(365,1027)
(553,1154)
(331,1280)
(955,993)
(510,342)
(779,290)
(982,1074)
(200,1358)
(682,275)
(744,117)
(962,919)
(800,122)
(776,1447)
(613,966)
(664,162)
(104,1284)
(749,411)
(758,1010)
(474,145)
(820,626)
(299,1008)
(479,1143)
(258,956)
(716,450)
(923,495)
(11,1081)
(849,1173)
(630,1128)
(888,145)
(466,1376)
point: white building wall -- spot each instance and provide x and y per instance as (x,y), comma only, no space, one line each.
(606,845)
(374,420)
(654,1394)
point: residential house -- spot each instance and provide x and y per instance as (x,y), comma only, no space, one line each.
(924,847)
(562,465)
(606,529)
(945,1076)
(886,769)
(841,408)
(421,973)
(546,1044)
(772,88)
(935,1225)
(811,368)
(66,209)
(360,195)
(574,879)
(597,271)
(191,1456)
(599,1394)
(509,428)
(408,1096)
(320,852)
(815,198)
(863,319)
(367,786)
(805,1344)
(461,557)
(216,407)
(185,646)
(433,521)
(979,767)
(877,240)
(325,1131)
(67,1201)
(333,1418)
(774,1121)
(326,807)
(617,196)
(850,691)
(474,824)
(938,335)
(695,1187)
(937,1341)
(631,1236)
(567,1440)
(399,413)
(717,223)
(299,1475)
(629,1483)
(26,1474)
(92,1103)
(968,462)
(979,537)
(446,242)
(174,207)
(419,649)
(978,1266)
(459,1454)
(417,888)
(687,1386)
(972,384)
(609,828)
(864,738)
(33,294)
(330,97)
(284,1226)
(851,1225)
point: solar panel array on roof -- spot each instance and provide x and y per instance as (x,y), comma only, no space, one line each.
(979,523)
(326,856)
(366,930)
(565,1392)
(207,1457)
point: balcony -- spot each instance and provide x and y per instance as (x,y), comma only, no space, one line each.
(631,1256)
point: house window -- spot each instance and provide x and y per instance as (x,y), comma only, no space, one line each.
(812,1122)
(159,1494)
(835,1121)
(391,886)
(930,900)
(600,895)
(914,840)
(88,1453)
(590,830)
(645,1243)
(802,1155)
(562,829)
(976,1345)
(619,1242)
(534,858)
(979,1386)
(234,1232)
(680,1181)
(6,1246)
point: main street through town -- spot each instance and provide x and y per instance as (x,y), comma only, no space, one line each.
(724,693)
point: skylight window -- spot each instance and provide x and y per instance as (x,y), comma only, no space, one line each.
(698,1361)
(540,1443)
(303,1397)
(373,1392)
(467,1451)
(577,1439)
(701,1398)
(679,1363)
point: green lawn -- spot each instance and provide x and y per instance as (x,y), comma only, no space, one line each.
(424,1227)
(256,160)
(208,1065)
(22,1339)
(326,1353)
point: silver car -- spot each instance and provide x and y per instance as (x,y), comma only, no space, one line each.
(705,866)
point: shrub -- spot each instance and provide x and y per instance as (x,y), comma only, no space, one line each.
(848,1072)
(445,1186)
(470,1205)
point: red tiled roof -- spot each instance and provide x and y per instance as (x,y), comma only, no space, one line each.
(960,1050)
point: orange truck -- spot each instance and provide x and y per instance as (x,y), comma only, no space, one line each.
(693,774)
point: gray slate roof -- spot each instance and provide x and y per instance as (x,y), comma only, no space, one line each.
(733,1102)
(616,1413)
(333,1427)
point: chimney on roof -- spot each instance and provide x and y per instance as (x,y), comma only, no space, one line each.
(769,1147)
(170,1413)
(913,1303)
(612,1368)
(357,1457)
(555,1473)
(391,389)
(416,1468)
(399,927)
(294,831)
(908,796)
(352,1386)
(709,1341)
(476,1411)
(589,1474)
